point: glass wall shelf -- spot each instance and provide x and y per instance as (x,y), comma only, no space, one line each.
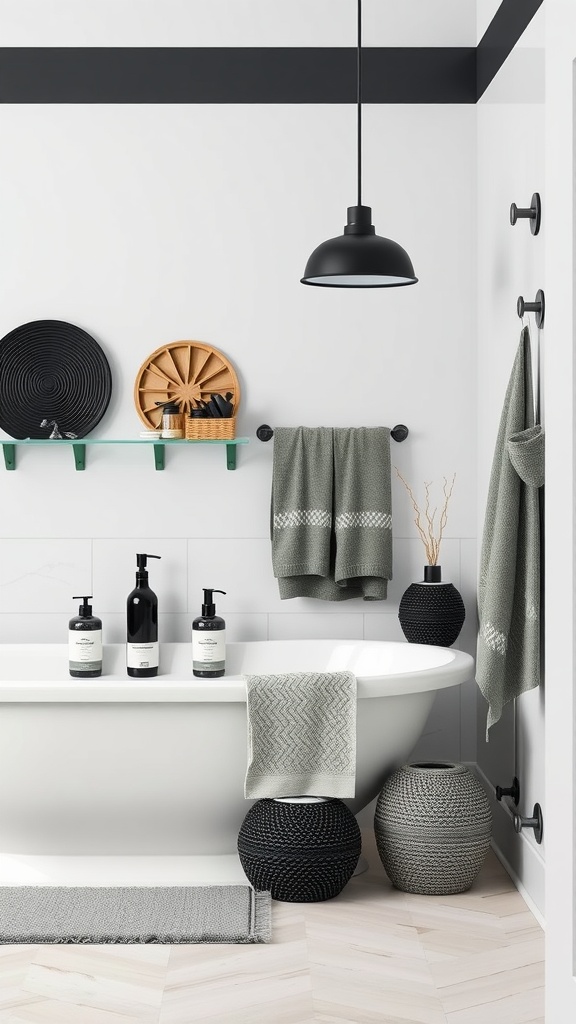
(79,448)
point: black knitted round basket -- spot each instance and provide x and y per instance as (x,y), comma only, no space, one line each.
(300,852)
(431,613)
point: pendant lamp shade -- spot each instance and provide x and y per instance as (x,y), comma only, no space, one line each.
(359,258)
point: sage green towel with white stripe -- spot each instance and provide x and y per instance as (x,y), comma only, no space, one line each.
(301,512)
(363,510)
(508,649)
(331,512)
(301,735)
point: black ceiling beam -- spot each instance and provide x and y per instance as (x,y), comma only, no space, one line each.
(235,75)
(262,74)
(510,21)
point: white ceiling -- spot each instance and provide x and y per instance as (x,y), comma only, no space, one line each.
(240,22)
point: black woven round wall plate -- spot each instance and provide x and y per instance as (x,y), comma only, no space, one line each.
(52,370)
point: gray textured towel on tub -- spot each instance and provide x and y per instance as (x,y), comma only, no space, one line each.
(508,652)
(331,512)
(301,735)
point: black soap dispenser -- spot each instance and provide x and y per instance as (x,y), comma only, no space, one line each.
(85,642)
(209,639)
(142,652)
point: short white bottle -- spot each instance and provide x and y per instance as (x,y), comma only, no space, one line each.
(85,642)
(209,639)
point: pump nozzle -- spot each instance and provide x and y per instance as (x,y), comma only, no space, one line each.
(209,608)
(85,609)
(141,561)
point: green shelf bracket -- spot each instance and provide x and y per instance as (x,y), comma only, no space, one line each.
(79,456)
(230,456)
(9,456)
(159,450)
(79,448)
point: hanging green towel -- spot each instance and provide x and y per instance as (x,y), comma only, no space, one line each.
(363,510)
(301,512)
(508,650)
(331,513)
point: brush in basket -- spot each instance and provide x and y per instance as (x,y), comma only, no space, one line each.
(213,420)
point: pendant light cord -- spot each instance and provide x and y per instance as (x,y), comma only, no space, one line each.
(359,100)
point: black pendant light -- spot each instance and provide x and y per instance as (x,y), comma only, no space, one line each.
(359,258)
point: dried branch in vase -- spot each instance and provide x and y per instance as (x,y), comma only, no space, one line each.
(430,528)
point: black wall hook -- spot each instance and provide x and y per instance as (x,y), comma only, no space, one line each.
(399,432)
(536,822)
(538,307)
(513,791)
(533,213)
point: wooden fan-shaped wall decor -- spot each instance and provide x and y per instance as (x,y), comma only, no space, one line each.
(184,372)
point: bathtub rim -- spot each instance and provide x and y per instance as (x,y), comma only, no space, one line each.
(180,687)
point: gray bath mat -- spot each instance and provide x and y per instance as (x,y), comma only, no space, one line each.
(129,914)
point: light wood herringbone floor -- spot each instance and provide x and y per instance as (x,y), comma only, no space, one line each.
(373,955)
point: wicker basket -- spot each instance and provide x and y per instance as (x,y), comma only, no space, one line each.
(200,429)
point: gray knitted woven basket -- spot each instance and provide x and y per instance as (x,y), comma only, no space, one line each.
(433,825)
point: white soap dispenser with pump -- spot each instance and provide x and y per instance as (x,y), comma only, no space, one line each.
(209,639)
(85,642)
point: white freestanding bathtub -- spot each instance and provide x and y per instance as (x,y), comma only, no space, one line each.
(156,766)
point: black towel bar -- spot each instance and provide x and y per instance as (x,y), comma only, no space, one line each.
(399,432)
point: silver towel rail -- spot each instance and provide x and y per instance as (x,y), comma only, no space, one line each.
(399,432)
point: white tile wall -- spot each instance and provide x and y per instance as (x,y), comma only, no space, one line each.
(38,577)
(383,626)
(316,626)
(36,627)
(43,575)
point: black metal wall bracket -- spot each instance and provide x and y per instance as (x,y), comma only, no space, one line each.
(399,432)
(512,791)
(536,822)
(533,213)
(538,307)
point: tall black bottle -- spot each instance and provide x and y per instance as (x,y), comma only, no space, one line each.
(142,654)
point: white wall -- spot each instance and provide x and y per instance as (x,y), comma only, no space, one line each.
(148,224)
(236,23)
(560,533)
(510,263)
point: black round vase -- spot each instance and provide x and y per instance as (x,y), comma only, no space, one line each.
(432,612)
